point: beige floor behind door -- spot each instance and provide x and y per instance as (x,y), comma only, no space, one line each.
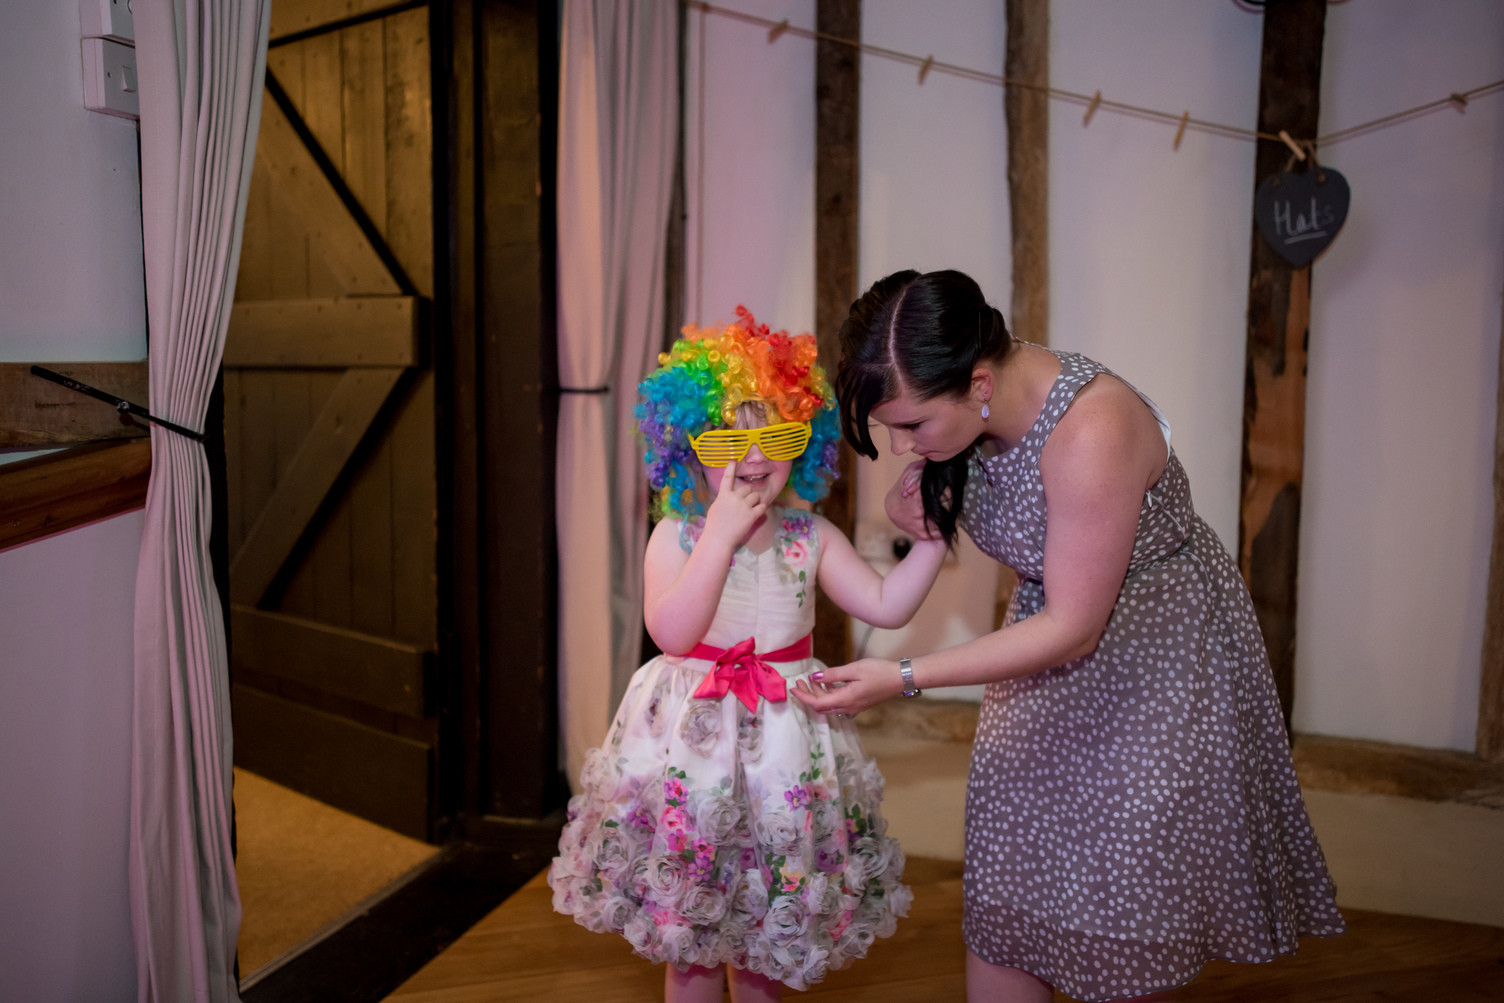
(303,867)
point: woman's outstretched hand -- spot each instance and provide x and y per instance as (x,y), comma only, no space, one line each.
(852,688)
(905,505)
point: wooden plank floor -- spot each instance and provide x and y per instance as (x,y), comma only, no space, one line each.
(524,951)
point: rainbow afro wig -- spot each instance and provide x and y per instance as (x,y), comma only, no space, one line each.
(702,380)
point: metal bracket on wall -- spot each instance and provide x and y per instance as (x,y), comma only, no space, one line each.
(118,403)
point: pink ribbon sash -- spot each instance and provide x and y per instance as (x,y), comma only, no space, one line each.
(747,674)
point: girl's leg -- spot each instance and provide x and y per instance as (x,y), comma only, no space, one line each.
(989,983)
(698,985)
(750,987)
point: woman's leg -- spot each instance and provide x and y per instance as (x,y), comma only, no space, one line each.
(989,983)
(750,987)
(698,985)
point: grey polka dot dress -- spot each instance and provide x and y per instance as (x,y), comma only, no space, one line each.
(1134,813)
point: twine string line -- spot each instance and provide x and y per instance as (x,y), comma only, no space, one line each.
(1092,102)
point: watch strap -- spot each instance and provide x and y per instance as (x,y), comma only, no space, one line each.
(906,670)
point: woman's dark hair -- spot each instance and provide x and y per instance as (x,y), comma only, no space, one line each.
(926,333)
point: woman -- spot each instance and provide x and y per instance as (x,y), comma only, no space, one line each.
(1132,809)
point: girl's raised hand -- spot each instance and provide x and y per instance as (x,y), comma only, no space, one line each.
(735,510)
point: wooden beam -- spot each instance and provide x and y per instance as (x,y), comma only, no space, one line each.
(302,487)
(1027,61)
(332,230)
(48,494)
(1028,114)
(1279,312)
(308,16)
(38,413)
(837,183)
(1491,687)
(373,670)
(341,332)
(515,376)
(1352,766)
(456,351)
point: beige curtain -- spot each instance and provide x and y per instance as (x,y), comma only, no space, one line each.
(200,65)
(618,120)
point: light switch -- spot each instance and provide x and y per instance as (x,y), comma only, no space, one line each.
(110,78)
(107,19)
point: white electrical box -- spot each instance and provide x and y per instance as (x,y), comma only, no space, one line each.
(107,19)
(110,78)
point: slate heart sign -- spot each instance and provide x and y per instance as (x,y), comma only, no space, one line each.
(1300,214)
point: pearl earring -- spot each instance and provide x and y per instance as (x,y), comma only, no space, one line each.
(985,411)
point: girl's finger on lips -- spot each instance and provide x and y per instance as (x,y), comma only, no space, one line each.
(728,476)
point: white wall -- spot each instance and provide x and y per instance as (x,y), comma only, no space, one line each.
(1405,327)
(1149,247)
(1149,274)
(756,180)
(71,288)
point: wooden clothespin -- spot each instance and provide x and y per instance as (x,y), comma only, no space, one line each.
(1180,132)
(1295,147)
(1091,109)
(1459,101)
(924,68)
(777,29)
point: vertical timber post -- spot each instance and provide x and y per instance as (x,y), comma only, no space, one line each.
(1490,744)
(497,358)
(1027,61)
(1279,313)
(837,159)
(1028,116)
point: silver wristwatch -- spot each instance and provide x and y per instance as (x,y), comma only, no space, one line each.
(906,670)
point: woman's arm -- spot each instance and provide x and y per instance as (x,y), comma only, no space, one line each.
(856,587)
(1096,467)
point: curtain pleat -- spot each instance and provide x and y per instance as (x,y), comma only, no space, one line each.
(618,122)
(200,67)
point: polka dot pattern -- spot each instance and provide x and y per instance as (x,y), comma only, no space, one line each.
(1134,813)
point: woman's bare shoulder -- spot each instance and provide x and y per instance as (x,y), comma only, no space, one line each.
(1107,423)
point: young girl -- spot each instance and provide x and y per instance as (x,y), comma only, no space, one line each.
(721,823)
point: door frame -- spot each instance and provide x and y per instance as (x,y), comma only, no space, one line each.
(495,90)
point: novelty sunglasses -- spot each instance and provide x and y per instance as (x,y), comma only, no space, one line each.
(720,446)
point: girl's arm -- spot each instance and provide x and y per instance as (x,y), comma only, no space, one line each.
(1096,467)
(856,587)
(681,591)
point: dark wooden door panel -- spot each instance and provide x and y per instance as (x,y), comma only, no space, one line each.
(330,422)
(363,770)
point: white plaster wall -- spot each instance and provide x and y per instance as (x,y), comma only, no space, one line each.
(934,194)
(1149,246)
(1149,274)
(750,173)
(71,288)
(65,698)
(1405,326)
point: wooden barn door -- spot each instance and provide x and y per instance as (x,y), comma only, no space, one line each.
(329,420)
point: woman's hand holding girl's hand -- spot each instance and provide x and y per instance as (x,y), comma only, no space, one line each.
(734,511)
(851,688)
(905,505)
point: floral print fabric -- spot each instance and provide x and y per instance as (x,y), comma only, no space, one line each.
(705,833)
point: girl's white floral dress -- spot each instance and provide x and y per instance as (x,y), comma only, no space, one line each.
(708,833)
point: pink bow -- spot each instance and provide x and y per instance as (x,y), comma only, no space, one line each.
(740,670)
